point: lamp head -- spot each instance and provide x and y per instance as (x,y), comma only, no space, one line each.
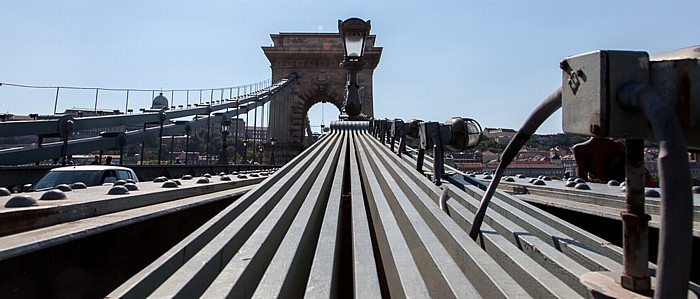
(354,33)
(465,133)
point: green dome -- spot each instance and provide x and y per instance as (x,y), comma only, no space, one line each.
(160,102)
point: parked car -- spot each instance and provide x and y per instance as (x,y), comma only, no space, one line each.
(90,175)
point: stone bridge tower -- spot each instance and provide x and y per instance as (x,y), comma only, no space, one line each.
(315,57)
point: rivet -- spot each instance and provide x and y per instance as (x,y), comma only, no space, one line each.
(131,187)
(53,194)
(582,186)
(169,184)
(118,190)
(539,183)
(21,201)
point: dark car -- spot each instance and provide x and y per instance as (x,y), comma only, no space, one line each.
(90,175)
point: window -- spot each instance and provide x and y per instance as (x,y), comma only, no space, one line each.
(109,176)
(124,175)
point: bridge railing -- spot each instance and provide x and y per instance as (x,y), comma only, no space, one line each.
(161,120)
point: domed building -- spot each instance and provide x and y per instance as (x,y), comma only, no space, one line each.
(160,102)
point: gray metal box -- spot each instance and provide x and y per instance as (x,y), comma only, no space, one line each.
(589,98)
(677,79)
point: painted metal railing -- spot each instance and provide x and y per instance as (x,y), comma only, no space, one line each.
(161,121)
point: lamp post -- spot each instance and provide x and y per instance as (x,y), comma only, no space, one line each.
(260,149)
(223,158)
(354,33)
(272,151)
(245,151)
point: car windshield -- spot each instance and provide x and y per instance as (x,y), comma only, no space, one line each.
(54,178)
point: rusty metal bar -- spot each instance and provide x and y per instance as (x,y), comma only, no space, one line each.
(635,222)
(675,236)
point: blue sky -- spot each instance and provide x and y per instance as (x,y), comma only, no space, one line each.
(493,61)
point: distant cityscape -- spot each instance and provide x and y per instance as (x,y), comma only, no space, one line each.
(548,155)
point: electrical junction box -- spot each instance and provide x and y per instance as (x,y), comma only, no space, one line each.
(677,80)
(589,93)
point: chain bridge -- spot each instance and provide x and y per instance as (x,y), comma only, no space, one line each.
(370,209)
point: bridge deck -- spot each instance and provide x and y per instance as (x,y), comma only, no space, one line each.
(349,218)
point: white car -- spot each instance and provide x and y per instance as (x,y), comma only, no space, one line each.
(90,175)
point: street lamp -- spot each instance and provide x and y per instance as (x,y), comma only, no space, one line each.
(272,151)
(260,149)
(354,33)
(225,126)
(245,151)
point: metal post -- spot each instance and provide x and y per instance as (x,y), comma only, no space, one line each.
(211,98)
(160,142)
(223,157)
(420,159)
(235,152)
(172,98)
(97,92)
(187,145)
(245,136)
(635,223)
(272,152)
(245,151)
(126,108)
(143,144)
(187,99)
(222,95)
(262,125)
(255,127)
(55,104)
(172,148)
(208,132)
